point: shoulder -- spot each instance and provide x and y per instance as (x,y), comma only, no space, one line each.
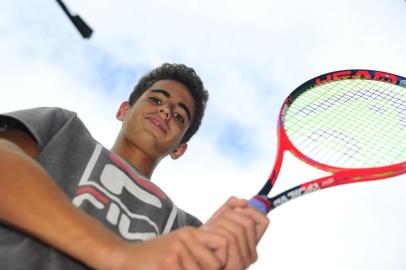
(37,114)
(34,126)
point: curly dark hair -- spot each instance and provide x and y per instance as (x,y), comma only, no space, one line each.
(185,75)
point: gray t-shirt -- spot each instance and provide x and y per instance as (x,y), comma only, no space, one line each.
(95,179)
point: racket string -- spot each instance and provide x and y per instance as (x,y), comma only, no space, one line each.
(365,125)
(373,158)
(320,133)
(342,122)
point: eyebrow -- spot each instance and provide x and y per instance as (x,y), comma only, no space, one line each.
(180,104)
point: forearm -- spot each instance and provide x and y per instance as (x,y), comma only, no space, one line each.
(30,201)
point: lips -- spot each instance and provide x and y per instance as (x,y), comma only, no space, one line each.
(158,122)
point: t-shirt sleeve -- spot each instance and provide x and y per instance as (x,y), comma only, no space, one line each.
(40,123)
(186,219)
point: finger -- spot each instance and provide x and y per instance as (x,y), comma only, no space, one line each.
(176,254)
(231,203)
(199,245)
(234,202)
(236,234)
(250,230)
(261,220)
(215,242)
(234,255)
(188,260)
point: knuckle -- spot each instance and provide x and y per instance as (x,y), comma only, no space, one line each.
(267,221)
(185,232)
(188,229)
(176,247)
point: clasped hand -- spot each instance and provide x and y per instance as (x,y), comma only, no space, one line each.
(226,241)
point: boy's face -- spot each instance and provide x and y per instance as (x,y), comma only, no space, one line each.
(159,119)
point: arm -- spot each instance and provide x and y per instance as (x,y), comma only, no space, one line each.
(29,197)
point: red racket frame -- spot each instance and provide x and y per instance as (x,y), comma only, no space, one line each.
(339,176)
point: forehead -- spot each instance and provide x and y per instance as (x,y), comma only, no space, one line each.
(177,91)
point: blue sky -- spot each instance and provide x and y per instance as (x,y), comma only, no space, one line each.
(251,55)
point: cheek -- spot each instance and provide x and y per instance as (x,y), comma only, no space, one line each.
(130,121)
(181,130)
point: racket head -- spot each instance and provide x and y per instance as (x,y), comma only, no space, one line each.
(347,120)
(379,97)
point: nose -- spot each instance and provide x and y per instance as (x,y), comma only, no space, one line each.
(165,111)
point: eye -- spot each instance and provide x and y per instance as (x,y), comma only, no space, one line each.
(155,100)
(179,118)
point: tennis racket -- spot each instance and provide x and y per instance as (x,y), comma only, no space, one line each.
(350,123)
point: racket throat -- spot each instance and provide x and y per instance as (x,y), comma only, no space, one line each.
(266,189)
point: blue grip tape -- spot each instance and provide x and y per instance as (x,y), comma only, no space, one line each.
(258,205)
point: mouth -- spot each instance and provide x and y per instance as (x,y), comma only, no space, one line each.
(158,122)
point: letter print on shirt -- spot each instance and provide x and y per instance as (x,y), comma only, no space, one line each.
(115,193)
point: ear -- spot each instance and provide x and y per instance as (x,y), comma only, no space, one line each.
(122,110)
(179,151)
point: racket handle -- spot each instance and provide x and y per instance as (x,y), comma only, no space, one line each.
(261,203)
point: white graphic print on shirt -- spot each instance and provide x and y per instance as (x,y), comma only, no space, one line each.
(105,192)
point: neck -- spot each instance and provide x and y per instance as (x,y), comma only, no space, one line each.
(135,156)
